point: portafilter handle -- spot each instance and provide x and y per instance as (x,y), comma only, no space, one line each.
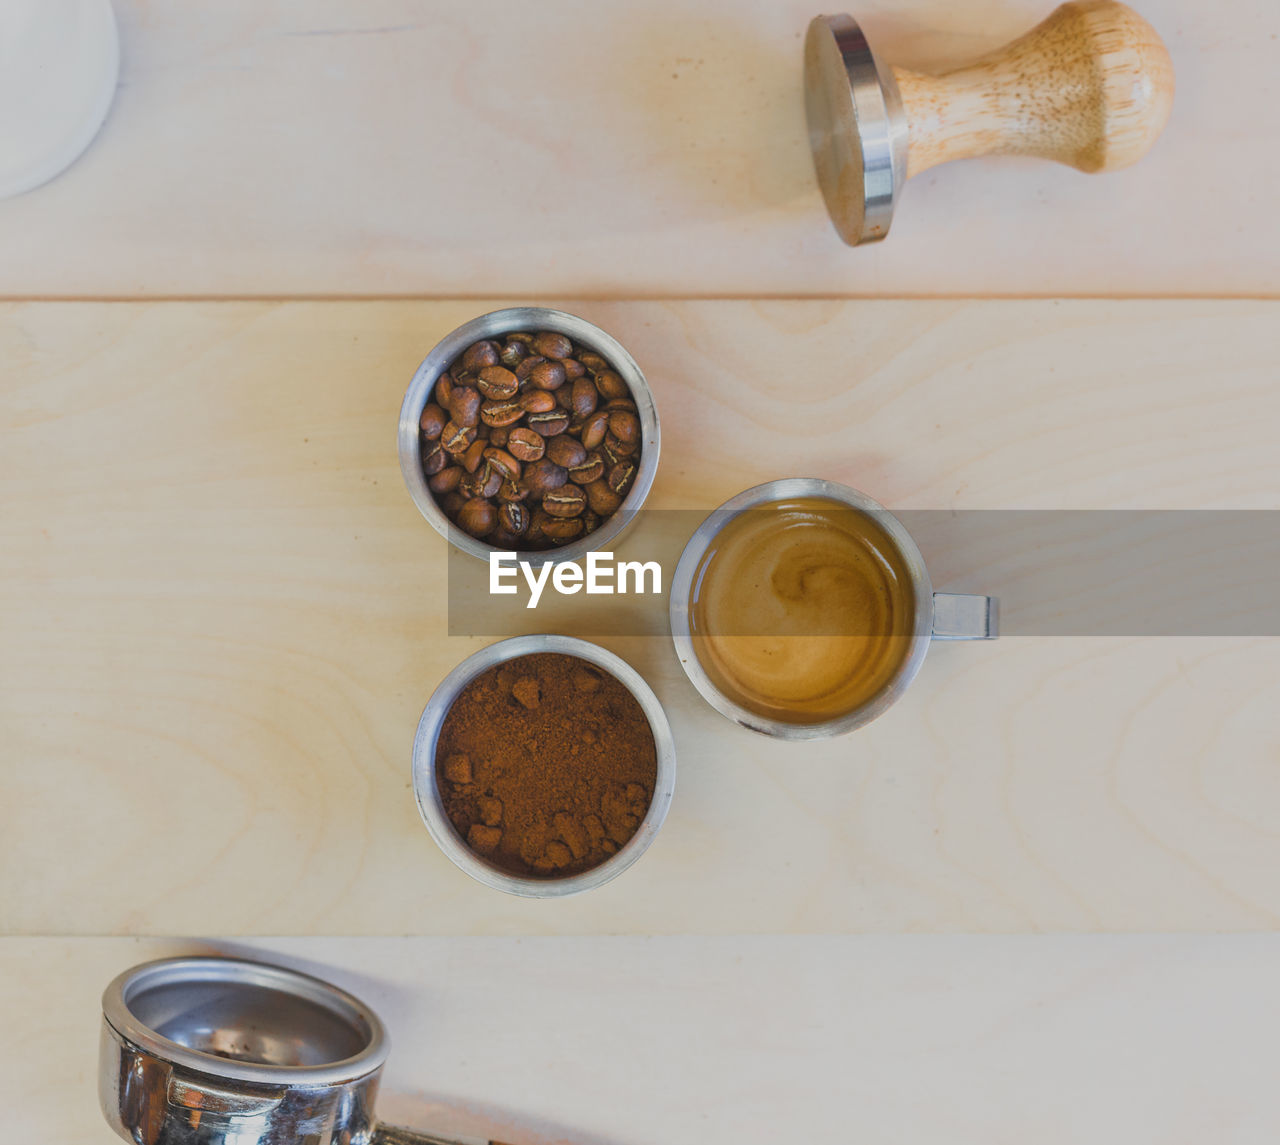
(396,1135)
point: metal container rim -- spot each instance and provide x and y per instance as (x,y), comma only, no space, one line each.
(117,1010)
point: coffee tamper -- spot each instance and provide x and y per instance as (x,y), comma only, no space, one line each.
(1091,87)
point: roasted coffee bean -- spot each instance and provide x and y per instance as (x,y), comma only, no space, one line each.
(513,518)
(615,450)
(450,503)
(620,403)
(601,498)
(513,353)
(568,501)
(444,389)
(561,530)
(526,367)
(431,423)
(541,477)
(501,413)
(534,535)
(624,425)
(592,361)
(594,429)
(474,455)
(456,438)
(551,345)
(566,451)
(497,382)
(513,491)
(564,399)
(521,336)
(498,435)
(548,424)
(584,397)
(537,401)
(503,462)
(447,479)
(464,404)
(525,445)
(479,355)
(501,539)
(573,369)
(477,517)
(590,469)
(434,458)
(484,482)
(547,375)
(611,385)
(621,476)
(590,520)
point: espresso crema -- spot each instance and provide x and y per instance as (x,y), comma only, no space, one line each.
(802,610)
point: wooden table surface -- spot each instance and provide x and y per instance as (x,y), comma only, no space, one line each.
(220,614)
(635,148)
(224,616)
(630,1041)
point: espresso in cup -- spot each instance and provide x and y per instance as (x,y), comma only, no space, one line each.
(802,608)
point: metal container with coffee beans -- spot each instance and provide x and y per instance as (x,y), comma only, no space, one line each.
(532,441)
(532,431)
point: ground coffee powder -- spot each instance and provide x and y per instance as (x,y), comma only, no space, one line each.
(546,765)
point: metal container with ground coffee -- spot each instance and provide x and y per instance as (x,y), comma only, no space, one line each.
(543,765)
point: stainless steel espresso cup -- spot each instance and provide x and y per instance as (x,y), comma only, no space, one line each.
(224,1051)
(938,615)
(495,325)
(431,805)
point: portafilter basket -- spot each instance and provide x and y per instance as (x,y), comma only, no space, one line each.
(224,1051)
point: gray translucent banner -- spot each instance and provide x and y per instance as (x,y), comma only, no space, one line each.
(1056,573)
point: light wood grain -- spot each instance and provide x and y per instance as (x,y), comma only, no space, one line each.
(640,147)
(1091,87)
(222,617)
(738,1041)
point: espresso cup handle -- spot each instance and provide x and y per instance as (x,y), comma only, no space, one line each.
(957,616)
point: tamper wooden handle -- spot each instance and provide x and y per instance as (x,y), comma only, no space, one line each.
(1091,87)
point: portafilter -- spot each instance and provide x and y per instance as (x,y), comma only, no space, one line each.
(224,1051)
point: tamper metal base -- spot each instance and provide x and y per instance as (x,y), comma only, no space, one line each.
(857,128)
